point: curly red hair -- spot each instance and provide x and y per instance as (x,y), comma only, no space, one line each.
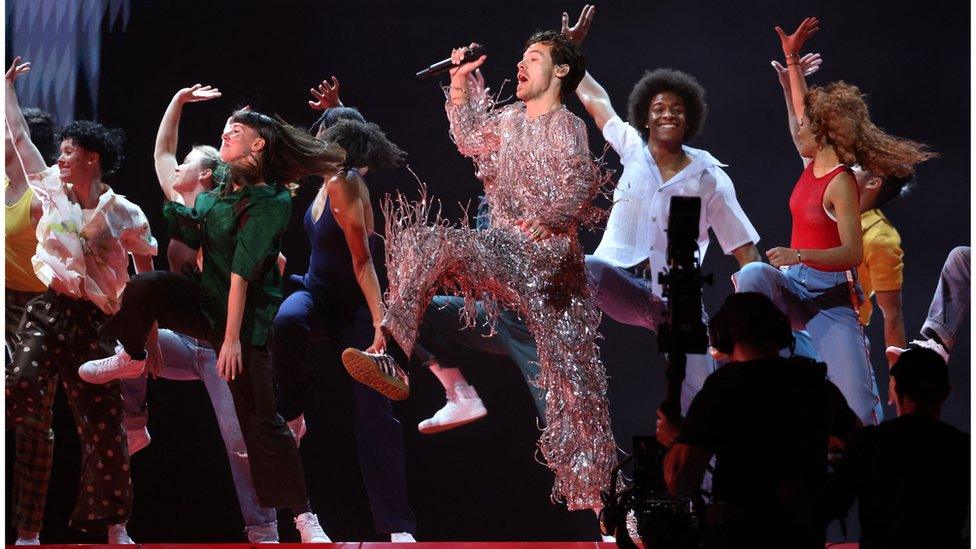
(839,117)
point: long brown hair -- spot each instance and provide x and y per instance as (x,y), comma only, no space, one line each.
(288,154)
(839,117)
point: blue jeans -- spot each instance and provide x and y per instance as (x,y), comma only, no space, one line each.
(950,304)
(441,333)
(188,359)
(824,303)
(629,300)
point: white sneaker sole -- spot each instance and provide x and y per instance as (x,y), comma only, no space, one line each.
(440,427)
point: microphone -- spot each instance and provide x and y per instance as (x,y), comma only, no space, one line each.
(443,66)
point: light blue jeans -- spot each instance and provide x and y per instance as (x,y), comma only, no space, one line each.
(824,304)
(629,300)
(189,359)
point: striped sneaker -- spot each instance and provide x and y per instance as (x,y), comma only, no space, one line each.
(378,371)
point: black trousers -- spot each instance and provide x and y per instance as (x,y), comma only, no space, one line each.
(173,301)
(56,334)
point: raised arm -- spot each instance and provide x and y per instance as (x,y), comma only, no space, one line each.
(792,45)
(595,100)
(590,93)
(809,64)
(347,206)
(30,157)
(474,127)
(167,137)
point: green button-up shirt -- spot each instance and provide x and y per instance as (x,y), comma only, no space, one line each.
(240,232)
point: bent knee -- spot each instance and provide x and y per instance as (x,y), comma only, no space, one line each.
(752,277)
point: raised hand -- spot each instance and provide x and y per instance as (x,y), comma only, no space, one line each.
(809,64)
(793,43)
(464,69)
(578,32)
(197,92)
(16,69)
(326,95)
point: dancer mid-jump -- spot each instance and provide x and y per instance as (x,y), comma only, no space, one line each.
(539,182)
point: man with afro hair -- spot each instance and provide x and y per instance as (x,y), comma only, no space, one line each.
(666,109)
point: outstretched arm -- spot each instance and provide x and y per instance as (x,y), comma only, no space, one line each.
(349,211)
(590,93)
(164,154)
(30,157)
(792,45)
(809,64)
(595,100)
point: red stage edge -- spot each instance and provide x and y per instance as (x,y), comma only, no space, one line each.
(387,545)
(361,545)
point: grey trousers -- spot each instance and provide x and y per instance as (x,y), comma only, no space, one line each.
(950,304)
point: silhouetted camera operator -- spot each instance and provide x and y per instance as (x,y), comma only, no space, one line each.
(910,474)
(767,420)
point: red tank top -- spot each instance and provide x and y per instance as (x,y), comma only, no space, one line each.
(812,228)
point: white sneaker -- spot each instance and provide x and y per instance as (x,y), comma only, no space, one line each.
(463,406)
(118,536)
(402,537)
(262,533)
(137,439)
(118,366)
(308,526)
(28,538)
(894,352)
(297,427)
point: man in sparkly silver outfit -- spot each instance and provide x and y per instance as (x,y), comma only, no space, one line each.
(540,180)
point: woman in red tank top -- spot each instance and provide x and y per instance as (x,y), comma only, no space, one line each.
(814,279)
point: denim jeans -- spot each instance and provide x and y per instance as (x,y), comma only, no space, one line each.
(823,303)
(189,359)
(630,300)
(441,335)
(950,304)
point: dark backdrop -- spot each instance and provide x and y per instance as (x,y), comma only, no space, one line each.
(482,482)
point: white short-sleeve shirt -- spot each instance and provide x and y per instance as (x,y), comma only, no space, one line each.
(85,253)
(639,217)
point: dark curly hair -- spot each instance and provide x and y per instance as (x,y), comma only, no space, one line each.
(365,144)
(839,117)
(334,114)
(96,138)
(563,52)
(42,132)
(680,83)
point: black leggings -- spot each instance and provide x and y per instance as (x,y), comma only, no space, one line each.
(173,301)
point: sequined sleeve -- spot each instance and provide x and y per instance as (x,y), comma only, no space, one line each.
(578,178)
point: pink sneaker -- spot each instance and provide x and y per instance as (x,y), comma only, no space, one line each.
(894,352)
(118,366)
(137,439)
